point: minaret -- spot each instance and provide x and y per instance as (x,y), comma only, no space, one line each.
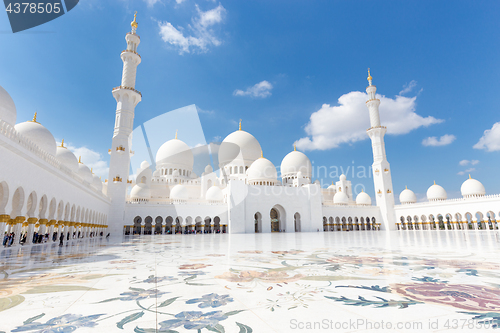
(127,97)
(380,167)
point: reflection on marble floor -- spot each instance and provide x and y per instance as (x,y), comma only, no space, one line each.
(347,282)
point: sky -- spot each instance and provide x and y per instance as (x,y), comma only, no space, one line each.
(293,71)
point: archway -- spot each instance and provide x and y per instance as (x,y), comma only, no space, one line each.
(158,225)
(330,222)
(148,225)
(137,225)
(296,218)
(178,225)
(344,224)
(168,224)
(278,216)
(258,222)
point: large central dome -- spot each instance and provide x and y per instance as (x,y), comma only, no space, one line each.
(175,153)
(236,143)
(8,111)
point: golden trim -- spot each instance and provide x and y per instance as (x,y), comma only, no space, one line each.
(32,220)
(4,218)
(134,23)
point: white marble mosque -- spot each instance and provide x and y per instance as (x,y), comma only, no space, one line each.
(239,248)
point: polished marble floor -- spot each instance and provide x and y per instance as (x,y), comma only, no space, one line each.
(421,281)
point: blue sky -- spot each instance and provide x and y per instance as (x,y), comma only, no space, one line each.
(282,67)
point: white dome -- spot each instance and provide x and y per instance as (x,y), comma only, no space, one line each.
(236,142)
(179,192)
(363,199)
(208,169)
(39,135)
(140,191)
(332,187)
(67,158)
(214,194)
(96,182)
(175,153)
(342,177)
(436,192)
(193,175)
(84,172)
(472,187)
(262,169)
(407,196)
(144,165)
(8,111)
(294,162)
(340,198)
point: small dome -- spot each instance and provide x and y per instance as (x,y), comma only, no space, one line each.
(332,187)
(262,170)
(436,192)
(175,153)
(363,199)
(236,142)
(214,194)
(96,182)
(192,175)
(8,111)
(407,196)
(208,169)
(179,192)
(84,172)
(472,188)
(140,191)
(144,165)
(39,135)
(342,177)
(67,158)
(340,198)
(294,162)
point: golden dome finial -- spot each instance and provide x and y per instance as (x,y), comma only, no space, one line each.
(406,187)
(79,159)
(369,78)
(294,147)
(34,118)
(134,22)
(62,144)
(362,190)
(332,182)
(175,134)
(261,154)
(470,176)
(240,124)
(91,170)
(434,182)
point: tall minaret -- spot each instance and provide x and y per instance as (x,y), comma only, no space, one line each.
(380,167)
(126,100)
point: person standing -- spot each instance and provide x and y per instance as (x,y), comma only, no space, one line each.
(61,239)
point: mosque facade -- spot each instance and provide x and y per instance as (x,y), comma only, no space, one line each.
(44,188)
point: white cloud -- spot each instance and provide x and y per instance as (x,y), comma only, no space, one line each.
(151,3)
(461,173)
(260,90)
(490,141)
(442,141)
(467,162)
(201,33)
(347,123)
(408,87)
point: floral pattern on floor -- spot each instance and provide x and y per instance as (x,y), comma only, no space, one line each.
(253,283)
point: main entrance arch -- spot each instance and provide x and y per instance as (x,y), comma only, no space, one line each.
(278,218)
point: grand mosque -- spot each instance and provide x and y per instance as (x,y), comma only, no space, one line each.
(45,188)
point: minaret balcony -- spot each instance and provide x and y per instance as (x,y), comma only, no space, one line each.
(131,52)
(127,88)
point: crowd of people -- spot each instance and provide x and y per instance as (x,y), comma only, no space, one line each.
(9,238)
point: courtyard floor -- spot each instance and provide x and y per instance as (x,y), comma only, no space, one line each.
(365,281)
